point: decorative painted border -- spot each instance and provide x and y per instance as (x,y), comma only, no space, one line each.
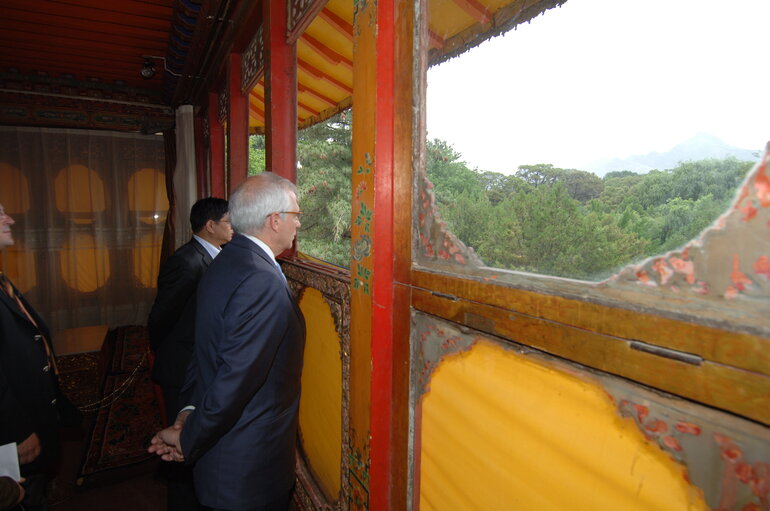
(23,109)
(335,289)
(725,456)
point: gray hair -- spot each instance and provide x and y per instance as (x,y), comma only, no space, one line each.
(257,198)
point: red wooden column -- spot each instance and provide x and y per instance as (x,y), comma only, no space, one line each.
(237,126)
(280,93)
(216,148)
(392,254)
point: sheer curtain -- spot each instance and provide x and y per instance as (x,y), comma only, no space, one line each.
(89,208)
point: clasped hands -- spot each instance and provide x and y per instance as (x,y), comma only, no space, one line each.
(166,442)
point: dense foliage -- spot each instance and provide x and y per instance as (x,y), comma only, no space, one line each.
(572,223)
(542,219)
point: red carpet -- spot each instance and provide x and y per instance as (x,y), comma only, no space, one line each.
(127,413)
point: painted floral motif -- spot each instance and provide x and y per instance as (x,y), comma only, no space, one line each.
(745,483)
(435,241)
(730,260)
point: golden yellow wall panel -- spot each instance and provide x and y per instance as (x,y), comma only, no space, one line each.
(500,430)
(320,410)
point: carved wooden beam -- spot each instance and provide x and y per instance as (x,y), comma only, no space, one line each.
(301,15)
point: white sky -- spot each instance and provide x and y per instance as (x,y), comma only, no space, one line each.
(607,78)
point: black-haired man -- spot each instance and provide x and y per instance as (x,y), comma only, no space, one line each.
(172,318)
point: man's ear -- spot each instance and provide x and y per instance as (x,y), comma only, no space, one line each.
(209,226)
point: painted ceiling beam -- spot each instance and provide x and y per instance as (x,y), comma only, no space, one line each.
(475,9)
(319,74)
(342,26)
(327,53)
(324,99)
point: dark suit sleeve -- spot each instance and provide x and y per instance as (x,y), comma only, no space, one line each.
(256,323)
(177,282)
(15,423)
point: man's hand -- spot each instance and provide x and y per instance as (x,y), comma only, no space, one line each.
(166,444)
(29,449)
(180,418)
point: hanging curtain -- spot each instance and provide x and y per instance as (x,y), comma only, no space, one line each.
(185,177)
(89,207)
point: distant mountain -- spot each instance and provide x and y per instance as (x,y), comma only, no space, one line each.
(699,147)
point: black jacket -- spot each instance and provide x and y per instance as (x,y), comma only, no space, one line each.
(28,386)
(171,323)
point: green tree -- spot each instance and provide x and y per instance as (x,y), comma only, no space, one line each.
(450,175)
(256,154)
(540,174)
(581,185)
(323,182)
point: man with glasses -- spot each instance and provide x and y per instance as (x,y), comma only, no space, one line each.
(244,380)
(172,320)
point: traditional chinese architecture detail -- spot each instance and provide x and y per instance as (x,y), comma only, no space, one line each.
(224,103)
(24,109)
(206,129)
(253,62)
(363,243)
(335,290)
(728,266)
(433,341)
(725,457)
(301,14)
(435,244)
(359,477)
(487,25)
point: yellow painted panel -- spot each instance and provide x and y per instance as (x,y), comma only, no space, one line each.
(501,431)
(320,408)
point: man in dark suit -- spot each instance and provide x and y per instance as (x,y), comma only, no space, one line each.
(30,399)
(172,320)
(244,380)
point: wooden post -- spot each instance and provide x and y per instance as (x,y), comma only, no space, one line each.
(382,168)
(237,126)
(216,148)
(280,93)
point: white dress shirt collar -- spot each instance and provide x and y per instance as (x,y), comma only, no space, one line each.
(213,250)
(261,244)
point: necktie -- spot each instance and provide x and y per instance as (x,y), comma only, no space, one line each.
(5,283)
(280,271)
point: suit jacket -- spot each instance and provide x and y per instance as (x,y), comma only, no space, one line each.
(171,324)
(244,381)
(28,386)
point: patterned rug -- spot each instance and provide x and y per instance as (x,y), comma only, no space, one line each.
(126,415)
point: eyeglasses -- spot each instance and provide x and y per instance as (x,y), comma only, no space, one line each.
(298,213)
